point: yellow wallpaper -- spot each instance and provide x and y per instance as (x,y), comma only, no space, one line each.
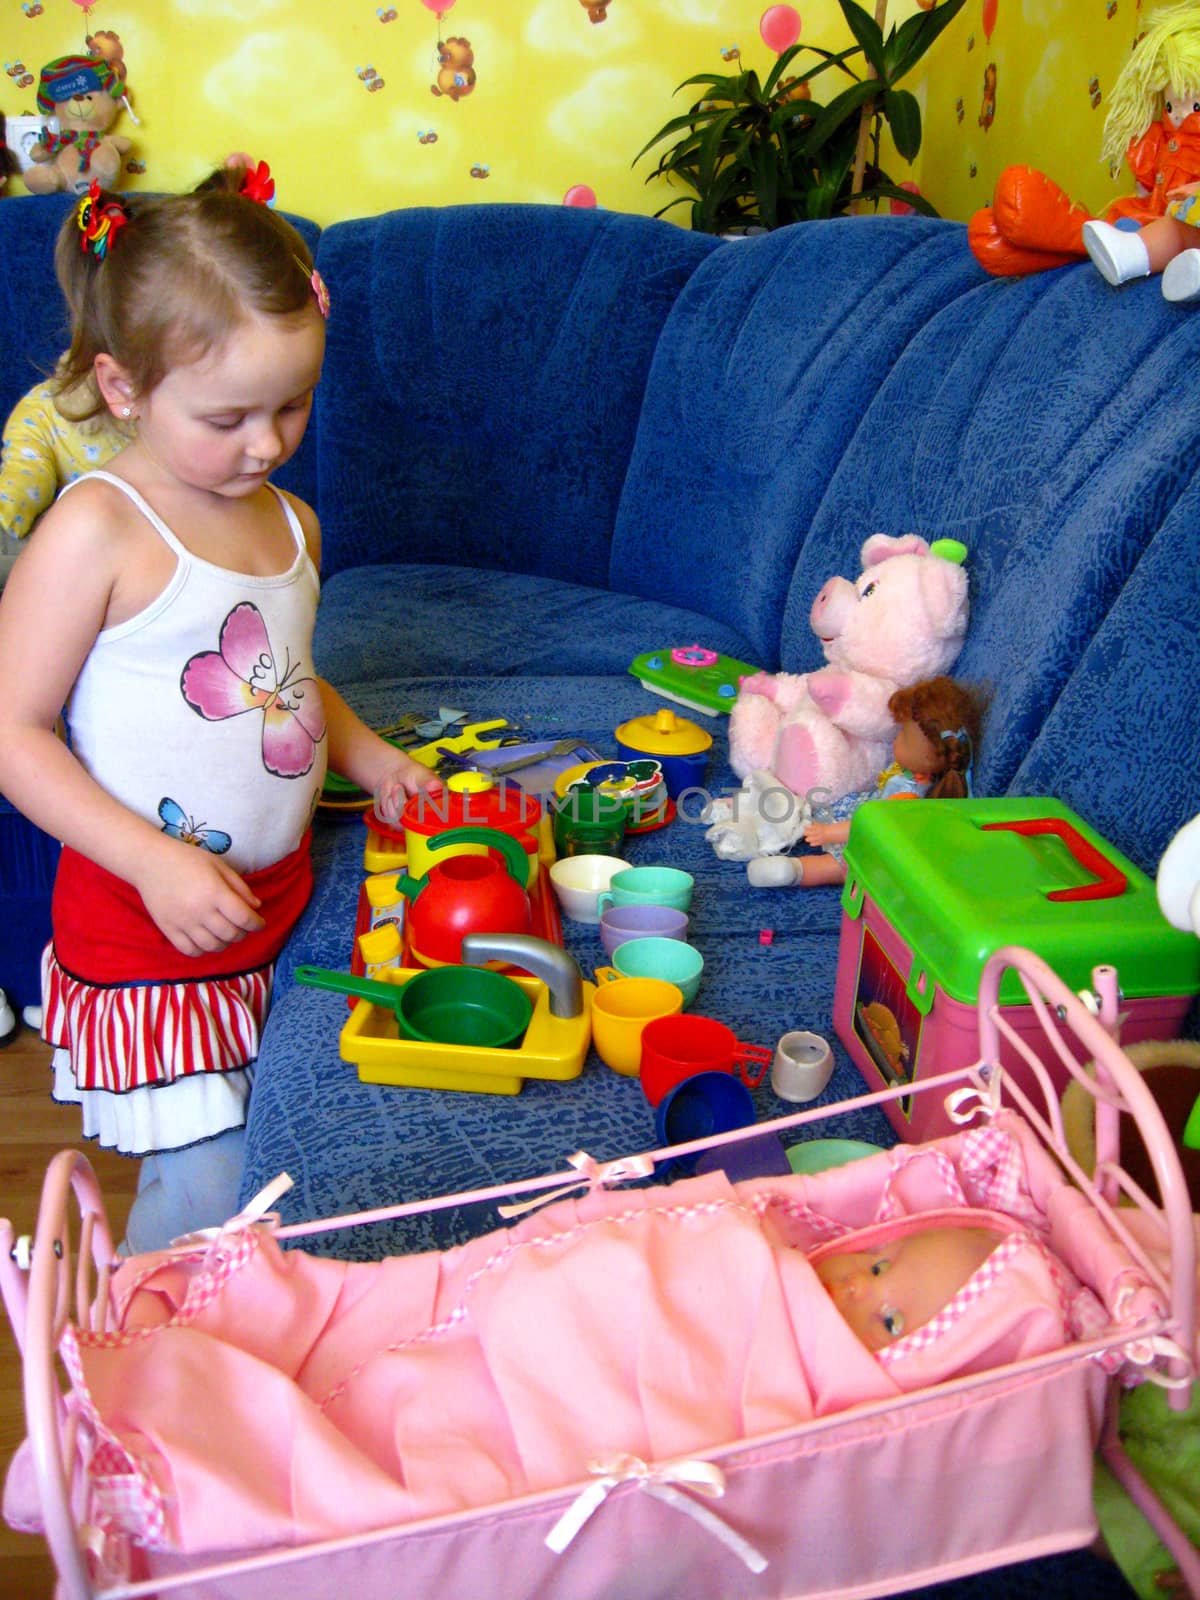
(538,100)
(348,102)
(1023,82)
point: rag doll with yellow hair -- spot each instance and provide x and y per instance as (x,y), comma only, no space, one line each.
(1154,123)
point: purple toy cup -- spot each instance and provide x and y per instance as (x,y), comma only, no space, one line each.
(620,923)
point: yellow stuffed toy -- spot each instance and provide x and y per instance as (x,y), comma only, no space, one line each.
(47,445)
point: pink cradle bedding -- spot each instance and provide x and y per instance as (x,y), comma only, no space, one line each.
(658,1323)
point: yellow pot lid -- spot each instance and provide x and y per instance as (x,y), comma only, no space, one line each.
(663,733)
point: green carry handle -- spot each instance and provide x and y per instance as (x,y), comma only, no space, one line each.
(515,858)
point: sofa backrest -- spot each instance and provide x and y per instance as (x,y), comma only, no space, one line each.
(34,317)
(770,359)
(483,381)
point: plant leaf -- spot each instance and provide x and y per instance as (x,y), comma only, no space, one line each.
(868,33)
(675,125)
(914,37)
(766,184)
(903,116)
(711,149)
(891,191)
(838,111)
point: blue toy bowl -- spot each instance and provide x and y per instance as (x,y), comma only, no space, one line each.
(700,1106)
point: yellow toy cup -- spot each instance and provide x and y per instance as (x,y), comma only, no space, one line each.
(621,1008)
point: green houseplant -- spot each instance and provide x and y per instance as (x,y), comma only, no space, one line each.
(805,141)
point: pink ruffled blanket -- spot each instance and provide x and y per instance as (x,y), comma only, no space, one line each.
(251,1396)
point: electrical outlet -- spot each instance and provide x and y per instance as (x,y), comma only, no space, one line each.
(22,133)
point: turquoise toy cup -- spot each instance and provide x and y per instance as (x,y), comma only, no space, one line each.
(649,886)
(672,959)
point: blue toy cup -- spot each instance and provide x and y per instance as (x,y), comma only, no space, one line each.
(707,1103)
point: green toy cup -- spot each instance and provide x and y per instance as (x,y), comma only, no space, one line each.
(649,886)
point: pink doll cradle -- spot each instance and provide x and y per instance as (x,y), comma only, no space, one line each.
(977,1440)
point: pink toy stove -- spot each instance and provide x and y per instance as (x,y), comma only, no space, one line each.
(142,1491)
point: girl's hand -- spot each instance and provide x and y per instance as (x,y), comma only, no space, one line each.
(1183,189)
(403,778)
(195,900)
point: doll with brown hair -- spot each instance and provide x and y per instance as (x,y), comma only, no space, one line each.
(937,733)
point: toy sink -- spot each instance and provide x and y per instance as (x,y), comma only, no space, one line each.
(552,1047)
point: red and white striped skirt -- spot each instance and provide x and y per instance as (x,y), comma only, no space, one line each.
(132,1036)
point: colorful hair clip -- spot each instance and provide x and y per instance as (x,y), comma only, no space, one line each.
(99,224)
(258,184)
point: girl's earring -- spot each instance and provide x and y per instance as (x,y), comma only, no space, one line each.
(126,411)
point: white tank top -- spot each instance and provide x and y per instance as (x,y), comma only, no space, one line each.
(201,713)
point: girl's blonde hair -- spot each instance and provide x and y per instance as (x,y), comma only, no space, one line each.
(181,273)
(1168,52)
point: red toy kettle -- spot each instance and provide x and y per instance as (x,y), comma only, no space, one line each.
(466,894)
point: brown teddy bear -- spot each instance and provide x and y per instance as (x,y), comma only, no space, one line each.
(456,70)
(85,93)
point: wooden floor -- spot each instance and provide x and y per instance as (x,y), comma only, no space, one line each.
(32,1129)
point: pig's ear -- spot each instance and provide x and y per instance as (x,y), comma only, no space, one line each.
(882,545)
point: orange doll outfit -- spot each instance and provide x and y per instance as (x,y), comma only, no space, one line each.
(1032,224)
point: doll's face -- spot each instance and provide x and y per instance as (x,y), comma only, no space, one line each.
(886,1293)
(914,751)
(1181,100)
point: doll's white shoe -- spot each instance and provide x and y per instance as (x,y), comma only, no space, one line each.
(774,872)
(1181,277)
(1118,256)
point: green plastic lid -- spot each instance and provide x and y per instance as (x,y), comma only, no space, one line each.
(957,879)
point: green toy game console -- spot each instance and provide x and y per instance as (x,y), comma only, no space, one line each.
(697,678)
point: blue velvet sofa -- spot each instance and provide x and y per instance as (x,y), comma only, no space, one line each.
(547,440)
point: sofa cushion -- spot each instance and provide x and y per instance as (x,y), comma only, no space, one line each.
(1056,456)
(767,364)
(483,381)
(395,620)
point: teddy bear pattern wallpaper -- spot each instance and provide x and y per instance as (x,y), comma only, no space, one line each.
(360,108)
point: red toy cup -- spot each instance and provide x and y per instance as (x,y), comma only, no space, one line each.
(678,1047)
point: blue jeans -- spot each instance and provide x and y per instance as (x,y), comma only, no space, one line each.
(181,1190)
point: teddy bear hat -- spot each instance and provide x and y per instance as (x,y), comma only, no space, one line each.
(71,75)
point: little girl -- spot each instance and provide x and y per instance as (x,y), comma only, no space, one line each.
(936,737)
(168,603)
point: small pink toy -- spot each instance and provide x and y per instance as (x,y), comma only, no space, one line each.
(901,620)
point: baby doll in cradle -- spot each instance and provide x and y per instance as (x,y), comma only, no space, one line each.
(937,733)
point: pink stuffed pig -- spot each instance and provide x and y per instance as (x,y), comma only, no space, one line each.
(901,620)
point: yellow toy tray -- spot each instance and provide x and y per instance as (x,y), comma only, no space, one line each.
(553,1047)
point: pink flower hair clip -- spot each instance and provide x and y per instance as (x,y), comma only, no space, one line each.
(320,292)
